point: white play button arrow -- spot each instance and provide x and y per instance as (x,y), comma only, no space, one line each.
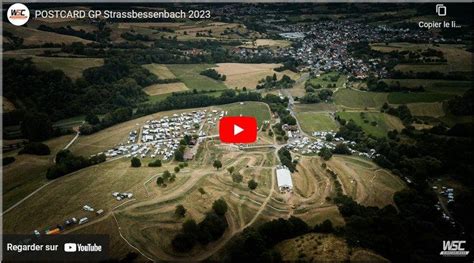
(237,130)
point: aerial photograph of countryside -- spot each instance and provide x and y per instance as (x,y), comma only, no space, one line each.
(112,118)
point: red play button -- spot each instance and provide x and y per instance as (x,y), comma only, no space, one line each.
(238,129)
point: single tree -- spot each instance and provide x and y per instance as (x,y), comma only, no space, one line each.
(160,181)
(219,206)
(190,227)
(166,175)
(217,164)
(202,191)
(180,211)
(231,169)
(252,184)
(176,169)
(136,162)
(237,177)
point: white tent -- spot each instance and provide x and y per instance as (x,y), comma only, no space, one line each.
(284,179)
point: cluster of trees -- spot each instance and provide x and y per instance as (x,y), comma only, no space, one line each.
(382,86)
(213,74)
(427,156)
(179,153)
(217,164)
(68,30)
(462,105)
(66,162)
(135,162)
(396,74)
(280,107)
(210,229)
(313,97)
(285,158)
(103,89)
(35,148)
(166,177)
(14,42)
(7,160)
(271,82)
(256,244)
(325,153)
(195,100)
(155,163)
(290,64)
(134,37)
(94,124)
(402,112)
(101,35)
(415,232)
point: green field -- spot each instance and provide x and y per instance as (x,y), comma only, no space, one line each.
(359,99)
(158,98)
(72,67)
(161,71)
(384,122)
(256,109)
(312,121)
(325,79)
(456,87)
(189,75)
(404,98)
(458,58)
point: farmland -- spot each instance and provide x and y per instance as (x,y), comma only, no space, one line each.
(434,109)
(312,121)
(72,67)
(247,75)
(331,78)
(189,75)
(359,99)
(28,172)
(266,43)
(458,59)
(323,247)
(258,110)
(37,37)
(366,183)
(373,123)
(158,89)
(161,71)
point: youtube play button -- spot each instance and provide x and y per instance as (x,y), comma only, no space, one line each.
(238,129)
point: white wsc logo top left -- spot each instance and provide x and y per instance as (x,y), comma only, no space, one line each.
(18,14)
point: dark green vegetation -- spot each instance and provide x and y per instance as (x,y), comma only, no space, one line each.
(256,244)
(409,233)
(420,156)
(166,177)
(252,184)
(192,76)
(66,162)
(210,229)
(213,74)
(271,82)
(155,163)
(7,160)
(462,105)
(316,97)
(286,159)
(117,83)
(36,148)
(135,162)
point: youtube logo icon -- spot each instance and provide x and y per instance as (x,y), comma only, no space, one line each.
(238,129)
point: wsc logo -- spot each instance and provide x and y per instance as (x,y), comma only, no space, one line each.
(454,248)
(18,14)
